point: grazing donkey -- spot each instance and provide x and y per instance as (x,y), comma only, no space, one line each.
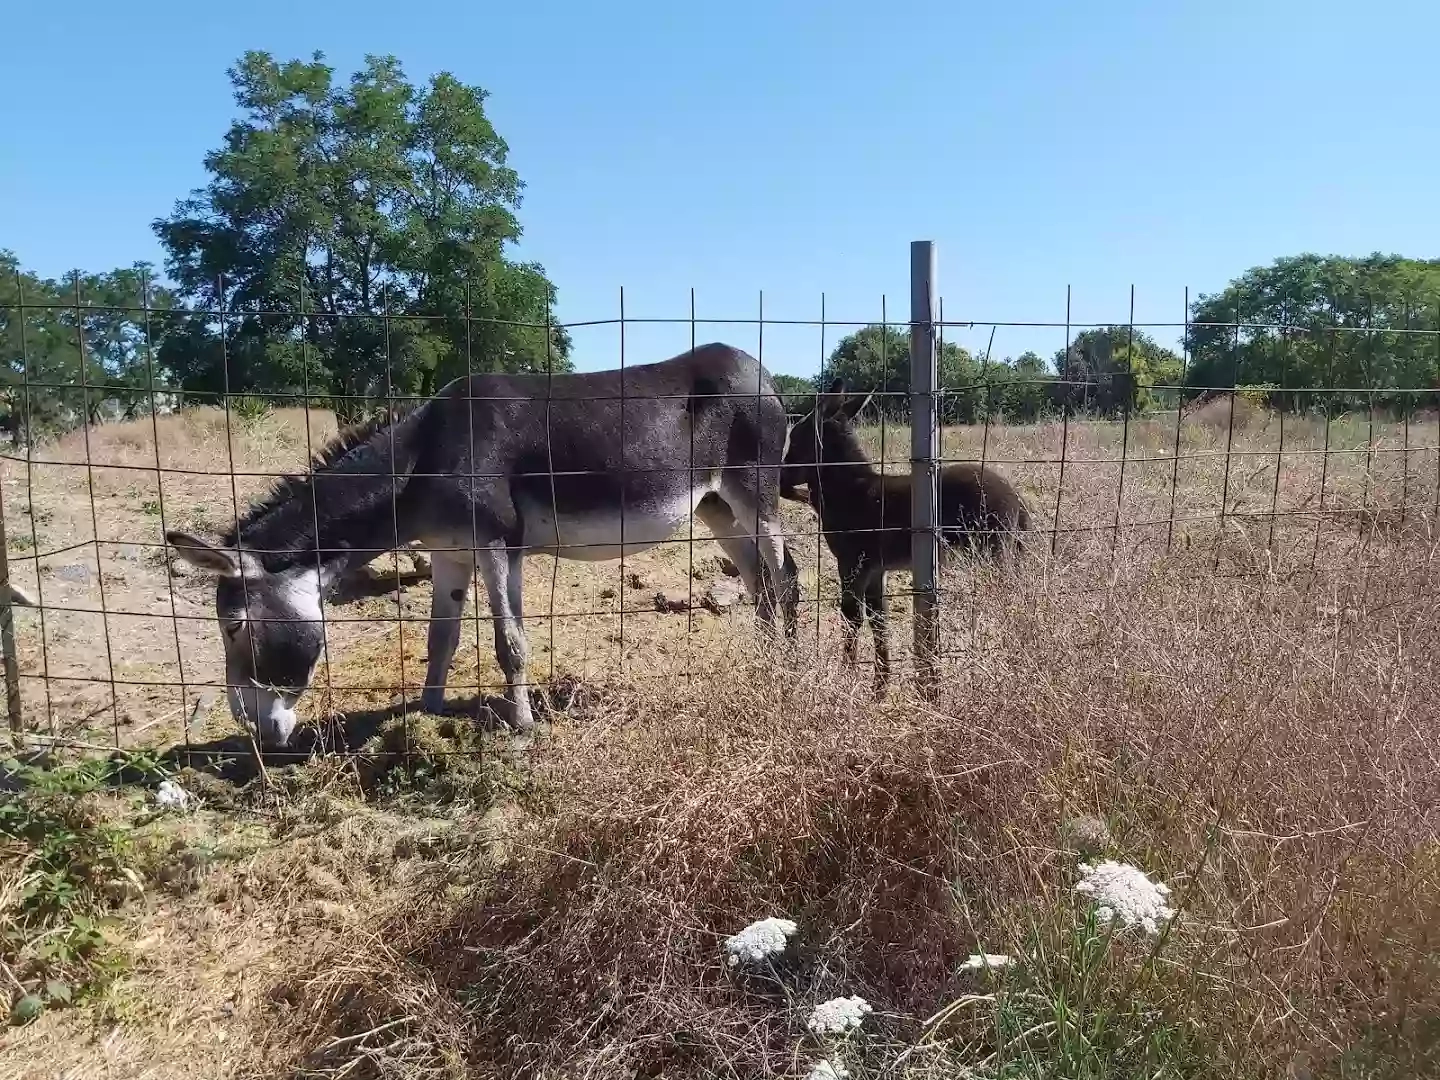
(865,514)
(587,466)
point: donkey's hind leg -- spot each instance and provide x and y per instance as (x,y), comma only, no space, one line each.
(784,574)
(878,608)
(451,574)
(740,548)
(769,538)
(792,570)
(501,570)
(852,608)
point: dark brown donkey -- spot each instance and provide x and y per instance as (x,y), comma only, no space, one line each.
(865,514)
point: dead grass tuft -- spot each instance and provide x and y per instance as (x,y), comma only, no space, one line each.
(1226,666)
(1270,752)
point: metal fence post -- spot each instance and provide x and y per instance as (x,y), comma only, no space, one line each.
(7,636)
(924,535)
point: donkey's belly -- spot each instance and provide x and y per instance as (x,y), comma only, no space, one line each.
(603,535)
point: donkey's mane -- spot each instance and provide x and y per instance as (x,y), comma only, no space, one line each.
(348,438)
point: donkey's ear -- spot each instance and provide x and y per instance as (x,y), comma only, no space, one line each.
(854,403)
(204,555)
(831,400)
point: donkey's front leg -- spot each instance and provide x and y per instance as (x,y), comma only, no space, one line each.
(502,571)
(450,574)
(852,607)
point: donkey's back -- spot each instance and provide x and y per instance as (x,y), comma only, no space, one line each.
(980,509)
(870,523)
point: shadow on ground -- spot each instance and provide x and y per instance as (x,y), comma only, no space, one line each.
(233,758)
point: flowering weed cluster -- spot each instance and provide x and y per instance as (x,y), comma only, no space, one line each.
(1125,896)
(760,941)
(838,1015)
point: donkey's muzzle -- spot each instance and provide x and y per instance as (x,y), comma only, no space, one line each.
(266,712)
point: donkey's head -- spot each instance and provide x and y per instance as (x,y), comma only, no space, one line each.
(824,435)
(273,632)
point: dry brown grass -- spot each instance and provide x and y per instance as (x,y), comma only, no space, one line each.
(1269,751)
(1253,711)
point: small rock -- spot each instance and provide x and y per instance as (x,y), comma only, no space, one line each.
(125,888)
(671,603)
(634,581)
(607,594)
(171,795)
(722,595)
(77,572)
(728,568)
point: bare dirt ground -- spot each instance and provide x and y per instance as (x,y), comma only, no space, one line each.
(144,620)
(1248,703)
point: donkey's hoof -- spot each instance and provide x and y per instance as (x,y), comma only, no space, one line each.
(519,718)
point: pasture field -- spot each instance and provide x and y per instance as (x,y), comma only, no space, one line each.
(1218,662)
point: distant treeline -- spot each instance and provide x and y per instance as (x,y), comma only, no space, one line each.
(1308,333)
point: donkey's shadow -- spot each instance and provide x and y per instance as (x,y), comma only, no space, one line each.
(232,757)
(353,588)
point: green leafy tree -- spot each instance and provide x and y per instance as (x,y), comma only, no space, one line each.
(385,209)
(77,350)
(1022,389)
(1317,322)
(877,358)
(1110,369)
(797,393)
(1031,365)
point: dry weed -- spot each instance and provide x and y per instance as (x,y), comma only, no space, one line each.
(1228,659)
(1266,745)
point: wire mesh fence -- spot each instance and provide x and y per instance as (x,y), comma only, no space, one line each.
(124,644)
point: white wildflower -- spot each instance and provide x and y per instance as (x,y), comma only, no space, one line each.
(827,1070)
(977,961)
(759,941)
(838,1015)
(1123,894)
(171,794)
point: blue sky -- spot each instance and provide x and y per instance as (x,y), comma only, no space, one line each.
(797,148)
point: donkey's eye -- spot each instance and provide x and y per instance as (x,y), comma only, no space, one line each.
(230,629)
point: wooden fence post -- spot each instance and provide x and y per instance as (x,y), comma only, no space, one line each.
(7,637)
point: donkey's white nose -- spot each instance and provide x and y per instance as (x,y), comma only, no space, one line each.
(274,720)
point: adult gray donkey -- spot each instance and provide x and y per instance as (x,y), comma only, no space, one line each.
(587,466)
